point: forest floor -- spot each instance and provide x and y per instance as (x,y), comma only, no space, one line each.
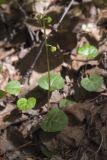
(85,137)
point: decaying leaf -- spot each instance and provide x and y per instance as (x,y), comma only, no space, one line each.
(78,61)
(66,138)
(71,133)
(9,108)
(76,111)
(96,70)
(79,110)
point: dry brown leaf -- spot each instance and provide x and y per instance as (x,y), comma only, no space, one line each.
(79,61)
(4,54)
(76,110)
(9,108)
(68,137)
(5,144)
(4,77)
(81,110)
(97,70)
(71,133)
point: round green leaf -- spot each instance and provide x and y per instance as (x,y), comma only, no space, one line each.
(88,51)
(13,87)
(24,104)
(56,82)
(31,102)
(92,83)
(66,102)
(56,120)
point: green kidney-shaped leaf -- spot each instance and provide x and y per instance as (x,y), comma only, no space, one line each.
(2,93)
(66,102)
(56,120)
(92,83)
(26,104)
(56,82)
(13,87)
(88,51)
(31,102)
(22,103)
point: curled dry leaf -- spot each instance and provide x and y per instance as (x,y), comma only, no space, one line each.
(78,61)
(76,111)
(97,70)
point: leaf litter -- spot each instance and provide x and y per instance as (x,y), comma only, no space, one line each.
(85,136)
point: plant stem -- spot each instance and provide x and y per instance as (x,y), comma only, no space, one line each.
(48,63)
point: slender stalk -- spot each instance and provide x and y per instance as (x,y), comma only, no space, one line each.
(48,63)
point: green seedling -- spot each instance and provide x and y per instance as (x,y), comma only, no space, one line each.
(26,104)
(56,120)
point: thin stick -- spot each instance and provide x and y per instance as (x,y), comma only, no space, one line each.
(29,72)
(64,14)
(48,63)
(100,143)
(21,9)
(23,146)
